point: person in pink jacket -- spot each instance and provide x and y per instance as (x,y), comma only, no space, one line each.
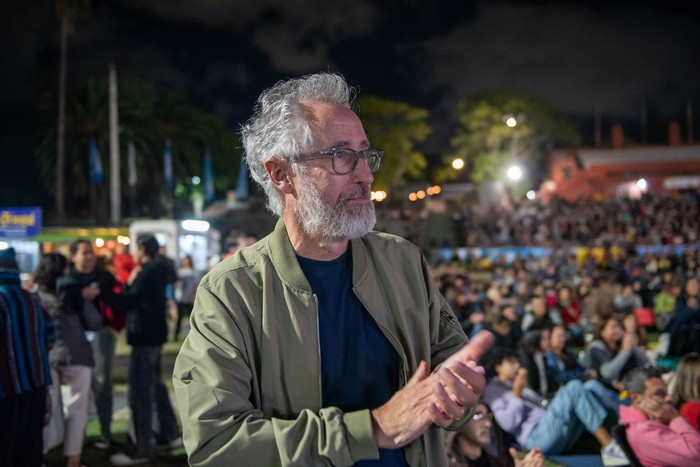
(658,435)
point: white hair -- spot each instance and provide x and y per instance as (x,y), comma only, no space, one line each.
(279,126)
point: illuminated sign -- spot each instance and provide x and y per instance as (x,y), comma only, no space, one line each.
(20,222)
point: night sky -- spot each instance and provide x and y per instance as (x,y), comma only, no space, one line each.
(222,53)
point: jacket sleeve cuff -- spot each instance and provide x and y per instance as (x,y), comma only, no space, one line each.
(361,441)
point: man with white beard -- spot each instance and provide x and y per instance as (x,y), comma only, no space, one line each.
(315,345)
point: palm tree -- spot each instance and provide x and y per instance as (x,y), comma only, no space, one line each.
(66,10)
(147,118)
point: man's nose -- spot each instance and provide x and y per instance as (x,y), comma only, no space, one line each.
(362,172)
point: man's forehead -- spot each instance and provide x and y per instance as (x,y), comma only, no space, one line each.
(336,123)
(654,384)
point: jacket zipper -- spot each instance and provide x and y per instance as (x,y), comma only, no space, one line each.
(318,350)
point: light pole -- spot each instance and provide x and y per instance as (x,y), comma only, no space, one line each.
(514,174)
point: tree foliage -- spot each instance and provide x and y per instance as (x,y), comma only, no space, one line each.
(147,117)
(487,144)
(395,127)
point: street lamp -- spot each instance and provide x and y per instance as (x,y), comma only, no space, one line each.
(458,164)
(514,173)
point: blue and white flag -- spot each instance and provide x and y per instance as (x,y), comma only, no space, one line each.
(96,173)
(131,164)
(168,164)
(242,183)
(208,177)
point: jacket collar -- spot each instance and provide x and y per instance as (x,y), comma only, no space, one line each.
(629,414)
(285,259)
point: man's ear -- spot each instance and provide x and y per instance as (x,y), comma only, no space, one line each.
(280,174)
(635,397)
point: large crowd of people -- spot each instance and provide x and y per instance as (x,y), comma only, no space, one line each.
(564,318)
(567,329)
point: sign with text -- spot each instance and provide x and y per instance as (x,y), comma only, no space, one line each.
(20,222)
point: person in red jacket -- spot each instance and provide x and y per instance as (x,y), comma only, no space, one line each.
(657,433)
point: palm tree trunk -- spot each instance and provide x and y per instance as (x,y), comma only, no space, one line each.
(61,136)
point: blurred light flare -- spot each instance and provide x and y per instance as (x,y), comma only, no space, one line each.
(514,172)
(195,225)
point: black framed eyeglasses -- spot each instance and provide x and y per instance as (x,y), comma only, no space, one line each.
(344,160)
(480,416)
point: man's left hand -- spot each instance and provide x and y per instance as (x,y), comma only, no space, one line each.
(460,381)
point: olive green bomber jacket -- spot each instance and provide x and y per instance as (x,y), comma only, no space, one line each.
(247,378)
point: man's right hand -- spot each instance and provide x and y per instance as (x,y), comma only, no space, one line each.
(659,411)
(405,416)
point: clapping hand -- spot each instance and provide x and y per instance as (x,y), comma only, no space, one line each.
(460,381)
(428,398)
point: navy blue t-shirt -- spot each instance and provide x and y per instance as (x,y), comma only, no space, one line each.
(359,366)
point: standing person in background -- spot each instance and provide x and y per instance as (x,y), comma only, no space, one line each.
(315,345)
(686,392)
(26,334)
(124,264)
(85,273)
(185,288)
(235,241)
(71,357)
(146,332)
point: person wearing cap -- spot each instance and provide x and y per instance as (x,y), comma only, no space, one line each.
(26,336)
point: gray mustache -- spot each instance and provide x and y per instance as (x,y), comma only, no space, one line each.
(362,191)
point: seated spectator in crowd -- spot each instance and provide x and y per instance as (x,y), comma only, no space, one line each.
(465,305)
(685,326)
(657,433)
(537,316)
(615,351)
(686,390)
(562,363)
(664,304)
(518,410)
(570,312)
(563,366)
(521,298)
(503,323)
(626,300)
(481,444)
(532,350)
(599,306)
